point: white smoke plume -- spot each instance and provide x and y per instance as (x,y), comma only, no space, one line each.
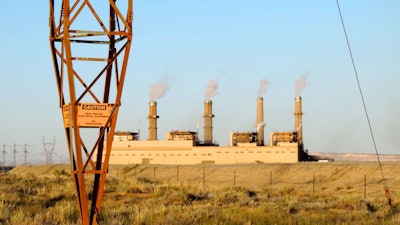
(300,84)
(260,126)
(159,89)
(262,88)
(211,89)
(139,123)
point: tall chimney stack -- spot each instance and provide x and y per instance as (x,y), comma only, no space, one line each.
(298,124)
(208,136)
(260,121)
(152,120)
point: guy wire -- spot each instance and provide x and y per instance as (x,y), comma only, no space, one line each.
(386,188)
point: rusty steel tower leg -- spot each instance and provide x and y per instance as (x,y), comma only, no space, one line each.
(90,44)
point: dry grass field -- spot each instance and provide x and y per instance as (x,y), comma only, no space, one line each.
(303,193)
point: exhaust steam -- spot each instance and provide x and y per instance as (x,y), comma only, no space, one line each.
(211,90)
(300,85)
(159,89)
(262,88)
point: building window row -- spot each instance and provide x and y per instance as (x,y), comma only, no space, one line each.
(208,154)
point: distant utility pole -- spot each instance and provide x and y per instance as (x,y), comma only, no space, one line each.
(4,166)
(49,150)
(25,152)
(15,154)
(4,156)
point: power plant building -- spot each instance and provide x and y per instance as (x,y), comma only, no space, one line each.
(184,147)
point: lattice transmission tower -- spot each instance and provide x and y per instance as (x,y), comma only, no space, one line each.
(49,150)
(90,44)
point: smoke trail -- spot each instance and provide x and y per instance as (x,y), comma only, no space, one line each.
(260,126)
(211,89)
(300,84)
(159,89)
(222,73)
(139,123)
(262,89)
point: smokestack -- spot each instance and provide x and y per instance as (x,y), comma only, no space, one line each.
(152,120)
(260,121)
(298,124)
(208,137)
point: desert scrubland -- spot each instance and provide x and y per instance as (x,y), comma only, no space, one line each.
(302,193)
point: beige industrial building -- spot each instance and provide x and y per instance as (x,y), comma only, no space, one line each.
(184,147)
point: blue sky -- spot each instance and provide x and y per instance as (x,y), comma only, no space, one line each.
(237,43)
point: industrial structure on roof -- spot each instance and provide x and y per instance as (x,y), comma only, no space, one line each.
(184,147)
